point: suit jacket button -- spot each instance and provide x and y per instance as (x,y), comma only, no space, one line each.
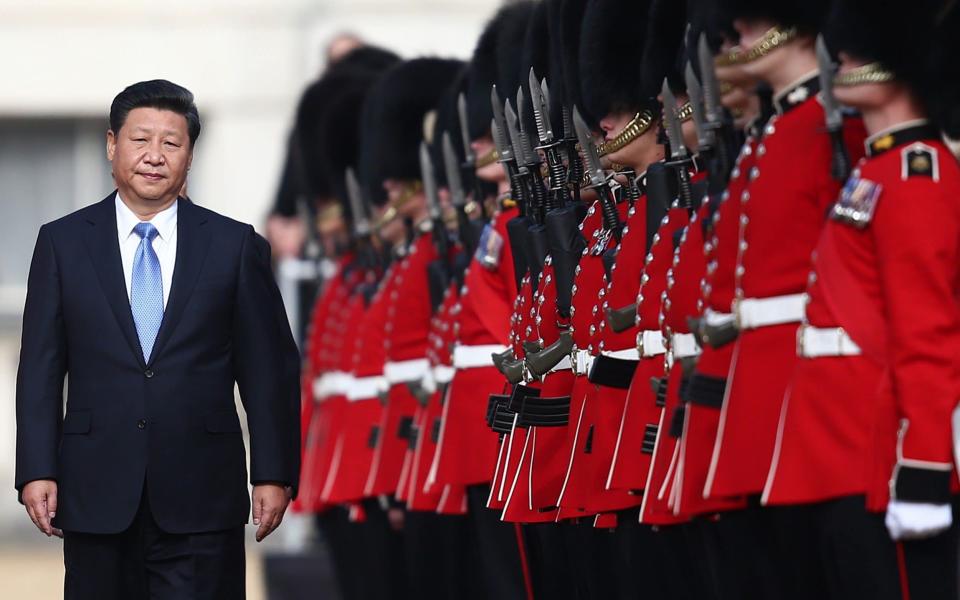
(148,373)
(142,424)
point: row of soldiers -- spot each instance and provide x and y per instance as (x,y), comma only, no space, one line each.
(648,299)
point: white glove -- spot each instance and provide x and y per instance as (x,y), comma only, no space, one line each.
(916,520)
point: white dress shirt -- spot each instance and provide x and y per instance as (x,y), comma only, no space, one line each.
(165,244)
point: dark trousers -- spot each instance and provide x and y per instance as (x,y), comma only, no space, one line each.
(839,551)
(501,556)
(147,563)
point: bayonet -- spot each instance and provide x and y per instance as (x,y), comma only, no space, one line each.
(840,163)
(696,103)
(678,151)
(429,182)
(711,88)
(588,149)
(470,157)
(504,146)
(530,157)
(513,129)
(541,109)
(671,123)
(452,168)
(598,177)
(361,223)
(831,107)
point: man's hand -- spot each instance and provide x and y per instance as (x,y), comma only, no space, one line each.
(270,501)
(40,498)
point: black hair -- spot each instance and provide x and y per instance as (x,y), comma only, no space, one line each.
(160,94)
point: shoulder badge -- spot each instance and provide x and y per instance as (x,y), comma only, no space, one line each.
(857,202)
(490,247)
(919,160)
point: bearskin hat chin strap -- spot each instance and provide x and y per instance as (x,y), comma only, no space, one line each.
(771,40)
(870,73)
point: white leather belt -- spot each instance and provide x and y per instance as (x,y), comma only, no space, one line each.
(404,371)
(814,342)
(469,357)
(582,361)
(331,383)
(753,313)
(628,354)
(684,345)
(650,343)
(716,319)
(364,388)
(443,373)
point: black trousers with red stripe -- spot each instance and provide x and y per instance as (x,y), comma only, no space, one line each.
(839,550)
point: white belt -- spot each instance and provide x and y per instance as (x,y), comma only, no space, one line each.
(332,383)
(468,357)
(716,319)
(753,313)
(582,361)
(444,373)
(813,342)
(406,370)
(628,354)
(364,388)
(684,345)
(650,343)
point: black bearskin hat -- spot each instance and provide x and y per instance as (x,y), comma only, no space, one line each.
(484,66)
(536,54)
(366,58)
(314,103)
(392,122)
(611,52)
(339,134)
(447,120)
(664,54)
(920,46)
(806,15)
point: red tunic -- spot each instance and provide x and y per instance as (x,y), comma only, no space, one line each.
(408,320)
(641,417)
(361,422)
(467,449)
(892,285)
(592,434)
(785,199)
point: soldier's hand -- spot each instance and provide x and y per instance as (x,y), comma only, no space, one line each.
(40,498)
(270,502)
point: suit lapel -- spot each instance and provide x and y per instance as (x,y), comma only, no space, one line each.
(193,241)
(104,248)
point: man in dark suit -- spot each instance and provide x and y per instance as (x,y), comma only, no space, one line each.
(154,307)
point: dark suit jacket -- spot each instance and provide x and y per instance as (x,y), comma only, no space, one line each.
(169,427)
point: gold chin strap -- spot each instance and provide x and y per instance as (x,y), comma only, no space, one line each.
(410,189)
(685,112)
(637,126)
(771,40)
(488,159)
(870,73)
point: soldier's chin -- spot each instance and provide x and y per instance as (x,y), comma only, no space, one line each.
(492,173)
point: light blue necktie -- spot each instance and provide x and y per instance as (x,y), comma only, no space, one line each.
(146,289)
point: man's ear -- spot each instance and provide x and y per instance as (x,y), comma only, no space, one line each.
(111,144)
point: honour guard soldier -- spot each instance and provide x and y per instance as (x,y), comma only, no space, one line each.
(391,130)
(866,422)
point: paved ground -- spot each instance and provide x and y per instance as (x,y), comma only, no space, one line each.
(37,573)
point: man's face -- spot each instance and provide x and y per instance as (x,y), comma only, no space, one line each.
(863,96)
(751,31)
(492,172)
(640,152)
(150,155)
(409,199)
